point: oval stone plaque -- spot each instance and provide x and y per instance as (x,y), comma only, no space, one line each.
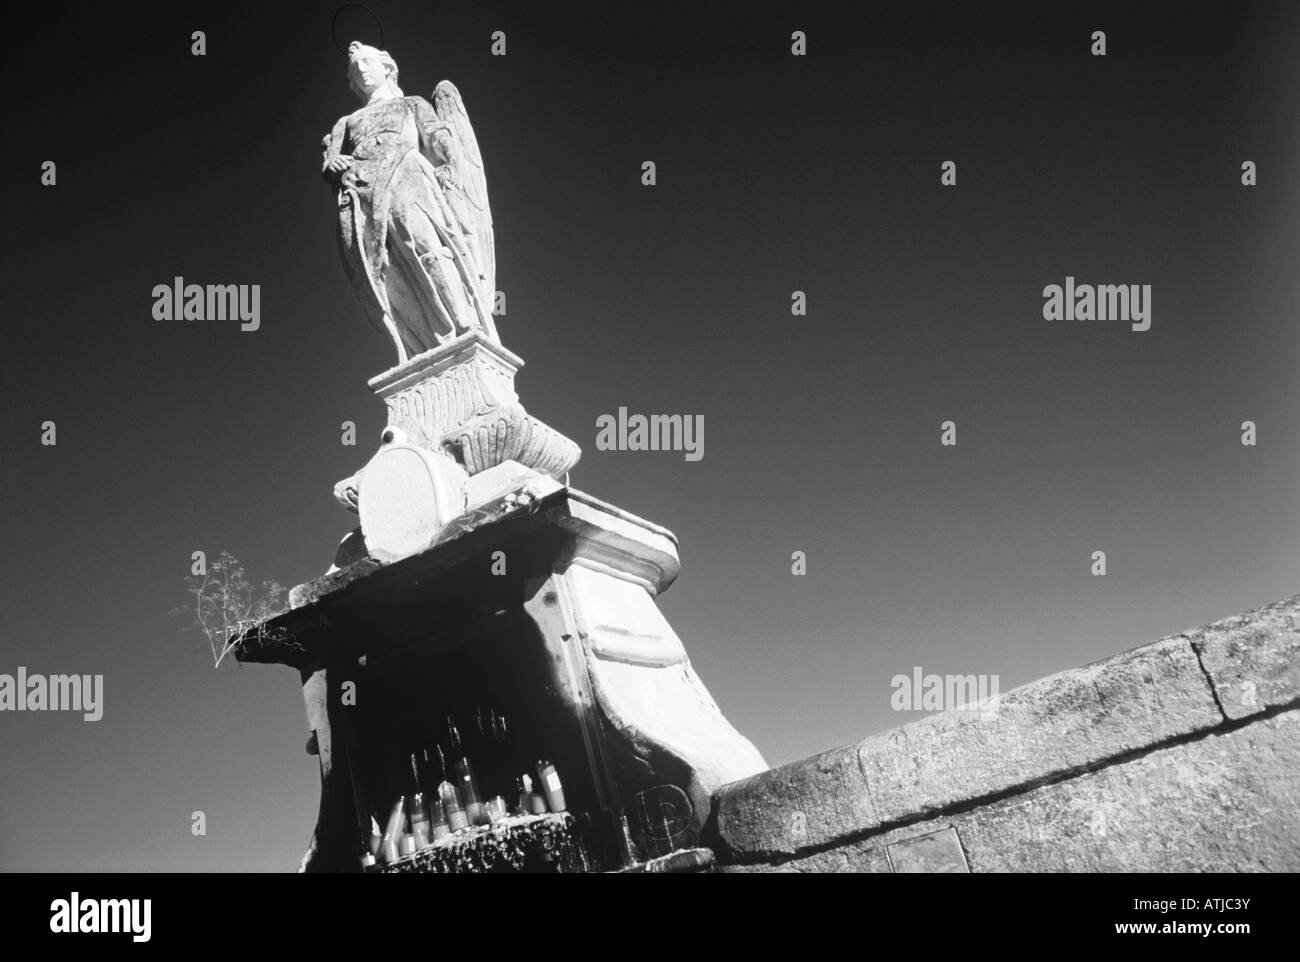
(406,497)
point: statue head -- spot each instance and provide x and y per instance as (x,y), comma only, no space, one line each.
(370,70)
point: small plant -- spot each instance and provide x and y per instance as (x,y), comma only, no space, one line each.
(227,608)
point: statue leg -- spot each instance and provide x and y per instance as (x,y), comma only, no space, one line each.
(414,312)
(440,268)
(425,276)
(370,291)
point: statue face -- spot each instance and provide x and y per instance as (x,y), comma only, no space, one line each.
(366,71)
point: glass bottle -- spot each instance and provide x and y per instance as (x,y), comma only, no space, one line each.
(416,811)
(551,785)
(394,831)
(435,781)
(466,781)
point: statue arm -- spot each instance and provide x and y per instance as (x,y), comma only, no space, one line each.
(333,161)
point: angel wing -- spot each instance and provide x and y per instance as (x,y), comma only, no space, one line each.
(470,183)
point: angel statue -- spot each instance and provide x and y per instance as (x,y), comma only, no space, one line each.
(415,231)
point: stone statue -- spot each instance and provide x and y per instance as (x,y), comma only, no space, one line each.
(415,230)
(415,236)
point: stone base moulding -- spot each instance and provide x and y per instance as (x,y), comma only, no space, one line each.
(461,397)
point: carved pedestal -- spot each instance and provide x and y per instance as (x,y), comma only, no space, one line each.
(461,397)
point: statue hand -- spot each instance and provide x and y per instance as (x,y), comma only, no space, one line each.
(345,492)
(335,167)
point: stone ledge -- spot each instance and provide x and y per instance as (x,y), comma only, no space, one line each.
(1067,723)
(369,604)
(1224,802)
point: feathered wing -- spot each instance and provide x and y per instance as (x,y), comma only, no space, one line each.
(470,183)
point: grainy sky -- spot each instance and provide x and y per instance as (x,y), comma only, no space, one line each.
(775,174)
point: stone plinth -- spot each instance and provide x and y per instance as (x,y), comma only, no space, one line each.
(546,584)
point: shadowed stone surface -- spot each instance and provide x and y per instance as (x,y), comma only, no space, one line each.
(574,611)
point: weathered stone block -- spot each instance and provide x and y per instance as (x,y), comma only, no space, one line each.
(1068,721)
(1253,660)
(1224,803)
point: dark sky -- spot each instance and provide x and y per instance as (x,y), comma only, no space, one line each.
(775,173)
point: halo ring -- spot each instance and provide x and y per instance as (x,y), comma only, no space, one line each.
(334,23)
